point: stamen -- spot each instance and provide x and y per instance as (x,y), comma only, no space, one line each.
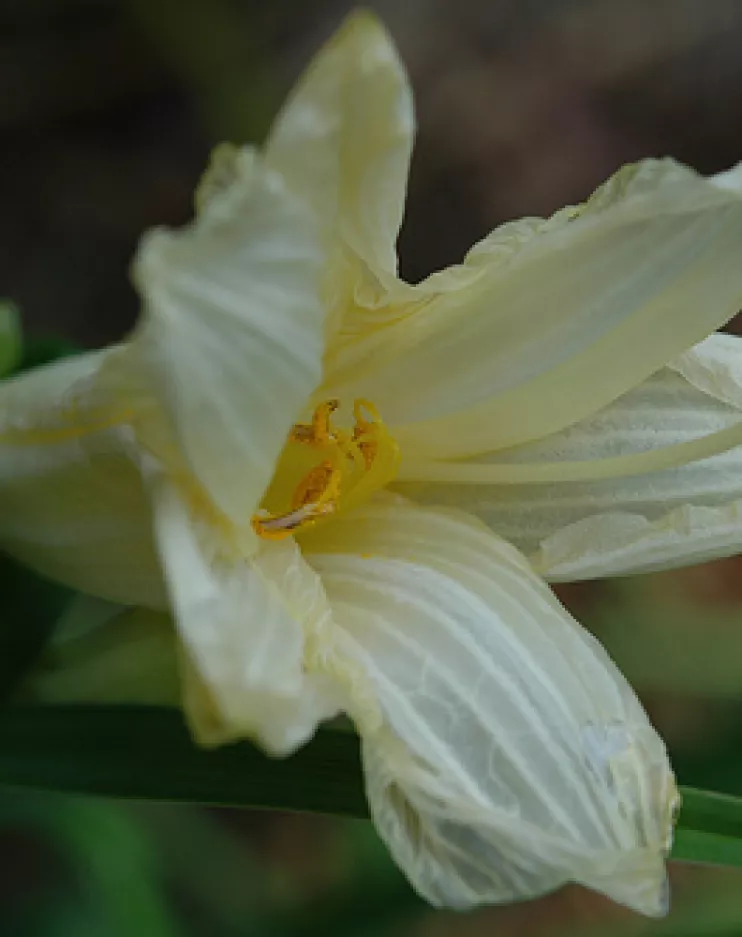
(280,526)
(362,432)
(319,431)
(350,471)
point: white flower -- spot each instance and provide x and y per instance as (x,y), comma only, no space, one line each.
(232,461)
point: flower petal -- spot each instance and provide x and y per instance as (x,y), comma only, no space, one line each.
(243,624)
(343,139)
(72,504)
(548,321)
(231,339)
(513,756)
(607,524)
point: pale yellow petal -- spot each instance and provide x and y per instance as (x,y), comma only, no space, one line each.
(611,524)
(513,757)
(230,342)
(72,504)
(550,321)
(730,178)
(344,137)
(227,164)
(244,624)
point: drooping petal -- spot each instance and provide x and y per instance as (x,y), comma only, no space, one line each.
(513,756)
(610,524)
(230,342)
(72,504)
(243,624)
(344,137)
(548,321)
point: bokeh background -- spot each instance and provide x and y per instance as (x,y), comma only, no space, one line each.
(108,111)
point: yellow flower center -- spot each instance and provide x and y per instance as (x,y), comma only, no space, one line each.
(337,470)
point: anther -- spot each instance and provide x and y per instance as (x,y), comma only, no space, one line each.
(347,471)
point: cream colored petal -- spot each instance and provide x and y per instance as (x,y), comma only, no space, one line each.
(72,504)
(513,756)
(244,624)
(611,524)
(344,137)
(730,179)
(231,338)
(550,321)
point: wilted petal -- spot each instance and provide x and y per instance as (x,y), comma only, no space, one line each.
(513,756)
(611,524)
(343,139)
(72,504)
(547,322)
(230,342)
(244,624)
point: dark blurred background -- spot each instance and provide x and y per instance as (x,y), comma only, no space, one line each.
(108,111)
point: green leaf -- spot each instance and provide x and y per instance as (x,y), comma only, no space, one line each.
(30,604)
(10,336)
(712,813)
(38,351)
(146,752)
(116,859)
(30,607)
(709,828)
(708,848)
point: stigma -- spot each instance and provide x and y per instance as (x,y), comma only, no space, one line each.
(351,464)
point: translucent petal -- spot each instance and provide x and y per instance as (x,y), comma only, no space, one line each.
(244,624)
(72,504)
(611,525)
(344,137)
(230,343)
(547,322)
(513,756)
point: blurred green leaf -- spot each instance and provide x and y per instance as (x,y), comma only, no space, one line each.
(672,644)
(119,861)
(10,336)
(712,813)
(707,848)
(212,48)
(30,607)
(116,859)
(146,752)
(373,902)
(713,761)
(709,828)
(43,350)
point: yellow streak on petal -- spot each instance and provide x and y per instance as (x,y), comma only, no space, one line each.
(77,428)
(635,464)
